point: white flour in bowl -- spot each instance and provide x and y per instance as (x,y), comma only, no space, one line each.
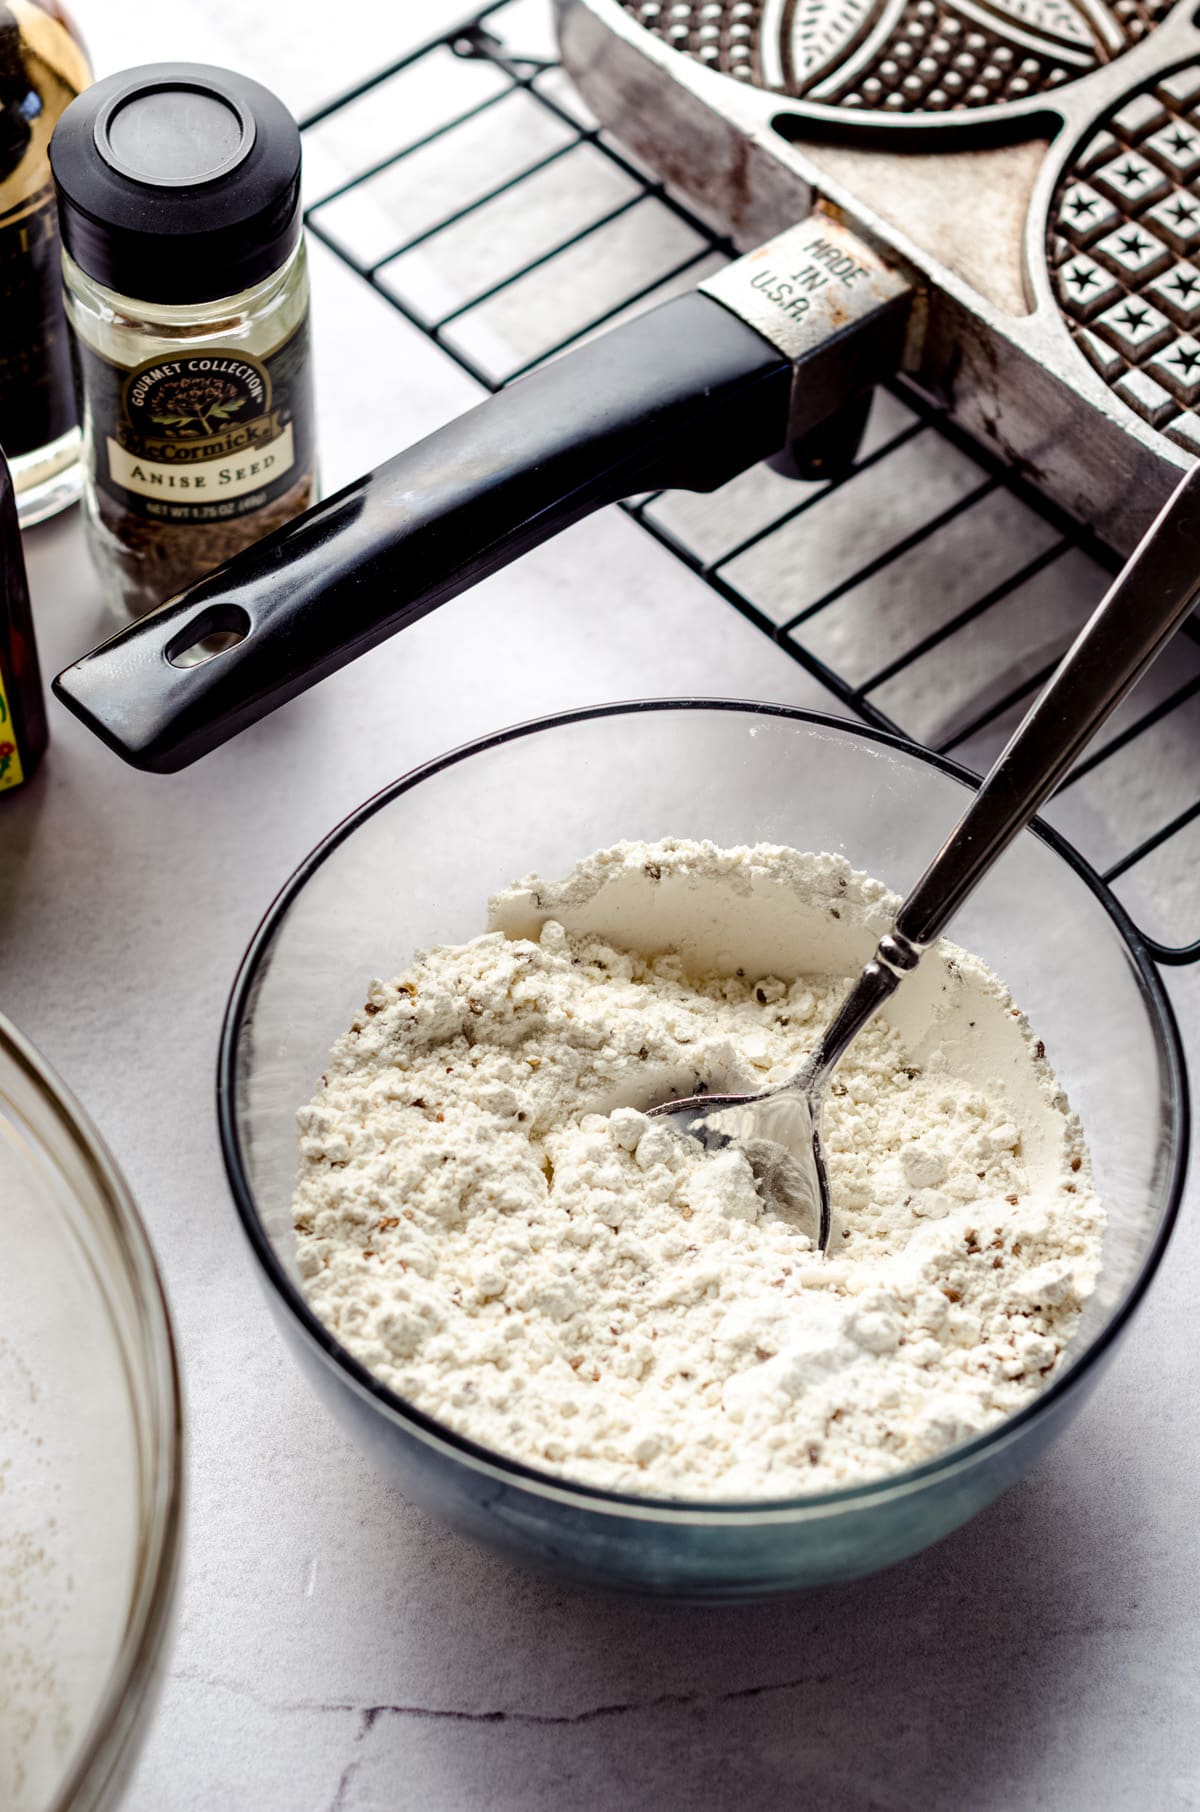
(486,1220)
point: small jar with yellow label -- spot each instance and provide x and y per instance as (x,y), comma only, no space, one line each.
(187,295)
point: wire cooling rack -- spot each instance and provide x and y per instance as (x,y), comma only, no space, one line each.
(929,588)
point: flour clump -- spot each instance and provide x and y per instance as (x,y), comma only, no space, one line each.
(487,1219)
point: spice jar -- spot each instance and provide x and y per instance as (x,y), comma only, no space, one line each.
(23,732)
(187,294)
(42,69)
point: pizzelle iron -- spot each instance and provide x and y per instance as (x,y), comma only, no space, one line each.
(998,198)
(1034,164)
(780,1129)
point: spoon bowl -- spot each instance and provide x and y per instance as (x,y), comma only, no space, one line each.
(778,1131)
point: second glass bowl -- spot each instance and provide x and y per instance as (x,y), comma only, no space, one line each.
(415,866)
(91,1469)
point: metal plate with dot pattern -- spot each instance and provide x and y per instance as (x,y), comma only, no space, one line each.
(1124,225)
(902,57)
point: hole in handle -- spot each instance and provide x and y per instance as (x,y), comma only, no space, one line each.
(213,632)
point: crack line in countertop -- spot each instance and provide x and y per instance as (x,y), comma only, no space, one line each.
(370,1715)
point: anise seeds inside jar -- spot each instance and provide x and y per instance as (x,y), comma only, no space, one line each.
(187,294)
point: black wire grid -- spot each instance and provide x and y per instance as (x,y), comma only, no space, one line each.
(954,680)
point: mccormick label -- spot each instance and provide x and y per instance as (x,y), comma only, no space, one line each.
(203,436)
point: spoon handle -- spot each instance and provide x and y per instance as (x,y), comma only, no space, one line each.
(1145,604)
(1147,601)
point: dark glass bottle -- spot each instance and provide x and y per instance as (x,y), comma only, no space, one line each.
(42,69)
(23,729)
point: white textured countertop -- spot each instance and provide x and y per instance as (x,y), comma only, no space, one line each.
(337,1651)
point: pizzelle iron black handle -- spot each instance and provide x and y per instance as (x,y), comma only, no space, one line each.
(684,396)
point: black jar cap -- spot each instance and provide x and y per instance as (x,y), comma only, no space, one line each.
(177,182)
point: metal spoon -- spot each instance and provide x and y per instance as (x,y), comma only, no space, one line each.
(780,1129)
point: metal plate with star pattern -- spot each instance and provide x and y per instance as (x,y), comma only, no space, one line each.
(897,58)
(1049,217)
(1124,248)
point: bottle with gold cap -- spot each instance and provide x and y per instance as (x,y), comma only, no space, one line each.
(42,69)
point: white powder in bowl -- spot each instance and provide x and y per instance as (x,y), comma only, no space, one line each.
(486,1220)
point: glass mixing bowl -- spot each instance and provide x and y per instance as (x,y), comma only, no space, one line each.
(90,1455)
(415,866)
